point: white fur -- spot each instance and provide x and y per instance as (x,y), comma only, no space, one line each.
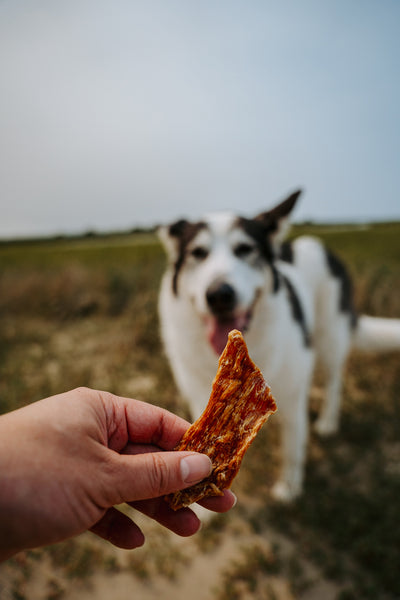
(275,339)
(377,334)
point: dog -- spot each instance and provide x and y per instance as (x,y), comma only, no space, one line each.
(292,301)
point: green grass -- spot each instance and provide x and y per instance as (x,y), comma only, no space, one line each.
(246,575)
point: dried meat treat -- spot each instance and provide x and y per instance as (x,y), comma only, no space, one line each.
(239,405)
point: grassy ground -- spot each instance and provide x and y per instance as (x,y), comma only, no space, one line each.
(83,312)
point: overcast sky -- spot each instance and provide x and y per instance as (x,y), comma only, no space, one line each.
(121,113)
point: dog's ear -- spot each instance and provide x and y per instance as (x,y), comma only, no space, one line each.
(170,236)
(276,221)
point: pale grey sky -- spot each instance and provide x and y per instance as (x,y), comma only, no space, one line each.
(122,113)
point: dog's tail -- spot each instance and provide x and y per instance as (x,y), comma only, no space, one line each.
(377,334)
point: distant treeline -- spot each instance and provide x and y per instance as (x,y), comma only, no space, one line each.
(86,235)
(93,234)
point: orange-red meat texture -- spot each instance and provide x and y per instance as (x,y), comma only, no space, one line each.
(239,405)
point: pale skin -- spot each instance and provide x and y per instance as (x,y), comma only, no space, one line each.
(67,461)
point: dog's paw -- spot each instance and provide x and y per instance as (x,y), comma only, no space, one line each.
(283,493)
(326,427)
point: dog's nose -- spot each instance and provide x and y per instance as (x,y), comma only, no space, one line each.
(221,298)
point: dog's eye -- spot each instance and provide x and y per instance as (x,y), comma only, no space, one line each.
(242,250)
(199,253)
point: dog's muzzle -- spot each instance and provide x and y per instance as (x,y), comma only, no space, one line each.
(221,299)
(224,316)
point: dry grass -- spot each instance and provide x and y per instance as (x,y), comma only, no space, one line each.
(83,312)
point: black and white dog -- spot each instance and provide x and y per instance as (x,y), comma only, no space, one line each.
(293,302)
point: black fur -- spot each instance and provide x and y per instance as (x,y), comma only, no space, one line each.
(346,301)
(184,232)
(259,233)
(257,230)
(297,311)
(337,270)
(286,252)
(271,218)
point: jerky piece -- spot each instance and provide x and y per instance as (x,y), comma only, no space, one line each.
(239,404)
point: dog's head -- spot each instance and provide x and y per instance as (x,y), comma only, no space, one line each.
(222,264)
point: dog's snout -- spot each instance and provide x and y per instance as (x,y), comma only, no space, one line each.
(221,298)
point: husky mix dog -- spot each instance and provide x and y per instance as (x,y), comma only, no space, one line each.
(292,301)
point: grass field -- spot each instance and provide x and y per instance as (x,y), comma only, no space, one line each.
(84,312)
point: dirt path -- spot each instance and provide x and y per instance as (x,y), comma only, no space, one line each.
(167,568)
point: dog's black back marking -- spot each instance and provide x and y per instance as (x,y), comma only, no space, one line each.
(297,311)
(286,252)
(184,232)
(346,300)
(337,270)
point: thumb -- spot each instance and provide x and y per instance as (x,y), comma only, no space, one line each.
(150,475)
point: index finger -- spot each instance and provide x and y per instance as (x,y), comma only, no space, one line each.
(142,423)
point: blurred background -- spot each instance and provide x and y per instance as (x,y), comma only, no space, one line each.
(118,116)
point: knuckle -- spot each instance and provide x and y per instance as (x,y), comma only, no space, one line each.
(83,391)
(159,475)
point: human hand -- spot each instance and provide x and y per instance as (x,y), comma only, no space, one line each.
(68,460)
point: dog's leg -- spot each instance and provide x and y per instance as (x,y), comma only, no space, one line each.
(333,354)
(328,420)
(294,434)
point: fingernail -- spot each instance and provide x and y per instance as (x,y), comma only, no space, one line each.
(195,467)
(234,499)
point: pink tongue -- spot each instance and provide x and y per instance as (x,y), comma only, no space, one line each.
(217,331)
